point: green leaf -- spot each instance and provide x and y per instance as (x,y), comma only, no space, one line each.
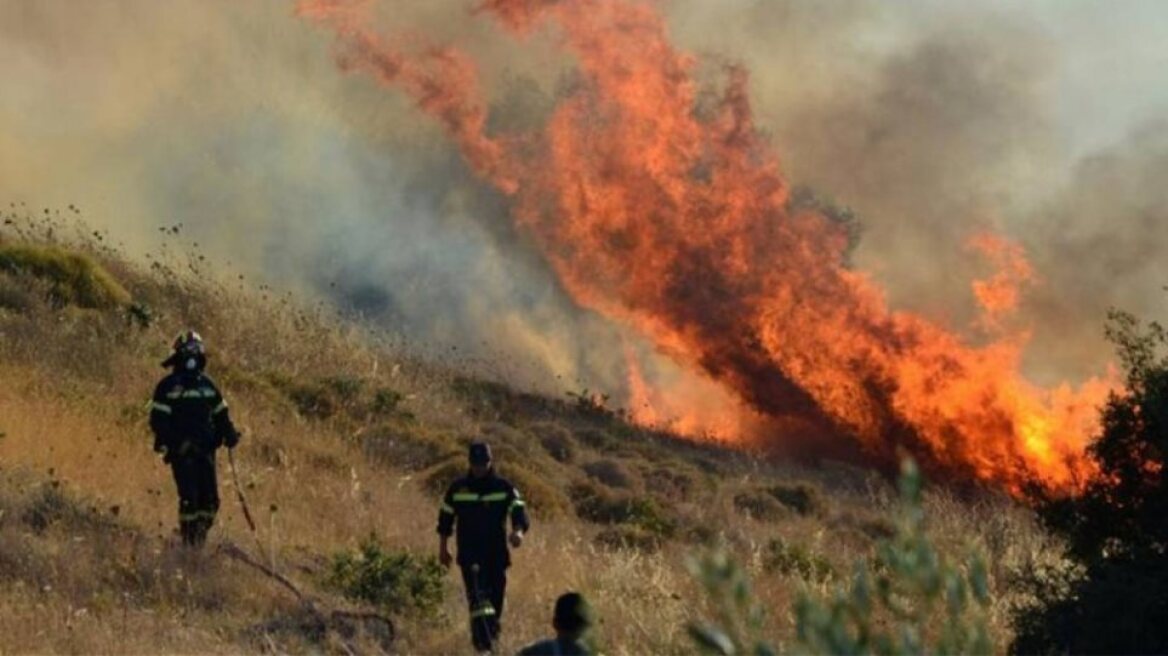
(910,482)
(979,581)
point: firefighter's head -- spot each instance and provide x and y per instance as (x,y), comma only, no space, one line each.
(188,352)
(479,455)
(573,615)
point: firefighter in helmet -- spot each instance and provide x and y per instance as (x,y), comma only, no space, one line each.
(479,504)
(572,620)
(190,421)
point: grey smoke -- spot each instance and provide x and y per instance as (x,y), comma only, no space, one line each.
(929,119)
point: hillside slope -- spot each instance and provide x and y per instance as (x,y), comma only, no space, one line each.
(349,437)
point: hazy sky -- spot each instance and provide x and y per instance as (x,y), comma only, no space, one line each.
(931,117)
(1113,65)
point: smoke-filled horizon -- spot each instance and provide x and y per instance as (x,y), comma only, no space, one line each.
(933,124)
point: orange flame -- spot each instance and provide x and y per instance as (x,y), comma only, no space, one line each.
(672,216)
(685,405)
(1000,294)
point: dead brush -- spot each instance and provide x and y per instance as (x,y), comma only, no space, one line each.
(75,383)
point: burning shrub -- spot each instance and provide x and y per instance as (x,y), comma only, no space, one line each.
(1115,526)
(704,247)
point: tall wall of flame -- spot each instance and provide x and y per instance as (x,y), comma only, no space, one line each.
(672,215)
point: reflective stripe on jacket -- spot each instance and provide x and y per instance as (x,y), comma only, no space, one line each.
(478,509)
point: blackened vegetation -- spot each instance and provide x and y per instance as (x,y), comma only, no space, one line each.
(1117,527)
(805,198)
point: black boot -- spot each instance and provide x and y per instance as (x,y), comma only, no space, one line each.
(483,627)
(188,529)
(202,526)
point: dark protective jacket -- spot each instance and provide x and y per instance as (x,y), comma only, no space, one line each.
(189,416)
(479,508)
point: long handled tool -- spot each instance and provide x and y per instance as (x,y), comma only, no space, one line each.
(481,612)
(243,500)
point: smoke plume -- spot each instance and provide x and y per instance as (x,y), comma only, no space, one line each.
(934,125)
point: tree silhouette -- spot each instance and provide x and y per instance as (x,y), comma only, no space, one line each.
(1117,528)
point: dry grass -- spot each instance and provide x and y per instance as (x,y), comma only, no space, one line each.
(348,434)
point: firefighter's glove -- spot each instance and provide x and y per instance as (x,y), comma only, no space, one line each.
(444,557)
(516,539)
(231,440)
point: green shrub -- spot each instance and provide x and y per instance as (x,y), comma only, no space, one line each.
(74,278)
(671,481)
(597,439)
(737,621)
(47,507)
(437,479)
(16,294)
(800,497)
(557,441)
(409,449)
(141,315)
(543,499)
(906,599)
(603,507)
(483,395)
(346,389)
(335,396)
(397,581)
(871,528)
(385,402)
(629,537)
(493,400)
(311,398)
(796,560)
(610,472)
(758,505)
(319,399)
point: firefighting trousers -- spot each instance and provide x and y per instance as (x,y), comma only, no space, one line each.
(485,591)
(198,496)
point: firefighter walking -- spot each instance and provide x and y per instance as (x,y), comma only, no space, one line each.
(478,506)
(190,421)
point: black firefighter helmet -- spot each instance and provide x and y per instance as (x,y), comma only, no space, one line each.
(188,352)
